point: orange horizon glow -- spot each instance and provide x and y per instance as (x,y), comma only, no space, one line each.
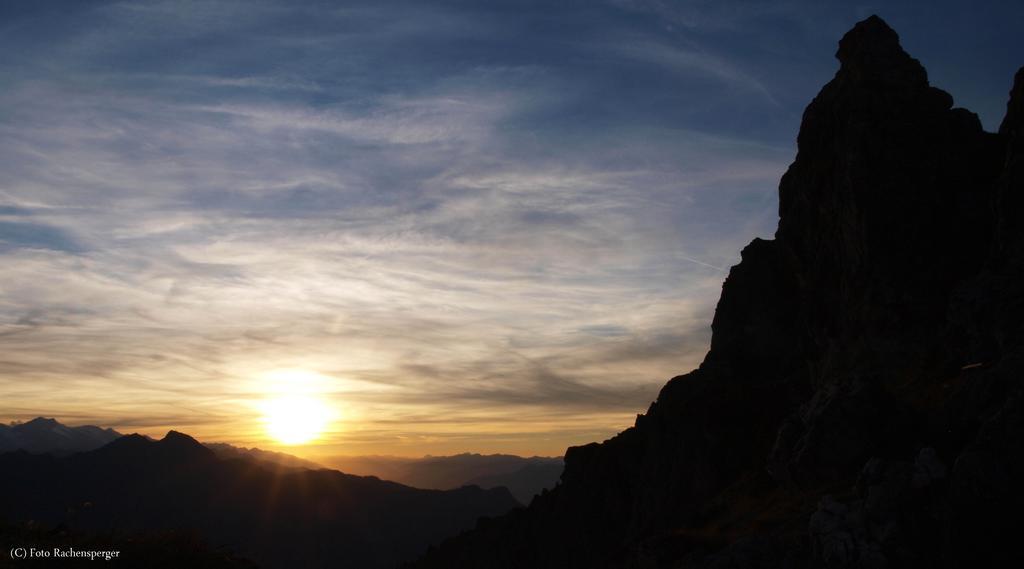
(300,409)
(337,443)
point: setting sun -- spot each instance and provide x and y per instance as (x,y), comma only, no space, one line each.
(295,409)
(298,419)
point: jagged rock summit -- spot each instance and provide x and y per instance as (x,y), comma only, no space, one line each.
(862,401)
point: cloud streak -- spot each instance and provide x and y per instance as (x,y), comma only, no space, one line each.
(482,242)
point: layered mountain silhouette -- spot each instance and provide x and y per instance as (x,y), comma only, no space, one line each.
(42,435)
(276,515)
(266,457)
(862,403)
(525,477)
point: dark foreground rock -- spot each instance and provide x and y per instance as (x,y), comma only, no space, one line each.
(862,403)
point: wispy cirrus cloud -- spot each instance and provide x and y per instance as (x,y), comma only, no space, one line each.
(486,228)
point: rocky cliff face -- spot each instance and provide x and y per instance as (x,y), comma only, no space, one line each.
(862,402)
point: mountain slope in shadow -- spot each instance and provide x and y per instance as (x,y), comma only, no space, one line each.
(862,403)
(525,477)
(526,481)
(279,517)
(269,458)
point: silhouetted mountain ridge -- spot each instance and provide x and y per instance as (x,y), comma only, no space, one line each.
(270,457)
(278,517)
(861,403)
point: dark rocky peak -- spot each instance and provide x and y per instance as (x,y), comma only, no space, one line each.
(181,447)
(845,349)
(890,202)
(177,438)
(174,448)
(1013,123)
(871,52)
(184,446)
(1012,183)
(40,423)
(1001,325)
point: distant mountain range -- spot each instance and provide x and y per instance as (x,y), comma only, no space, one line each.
(41,435)
(524,477)
(279,517)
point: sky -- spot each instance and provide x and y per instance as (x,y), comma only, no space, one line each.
(478,226)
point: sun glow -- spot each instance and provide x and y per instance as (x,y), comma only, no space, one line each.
(295,410)
(296,419)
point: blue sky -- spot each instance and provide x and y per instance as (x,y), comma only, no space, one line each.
(473,226)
